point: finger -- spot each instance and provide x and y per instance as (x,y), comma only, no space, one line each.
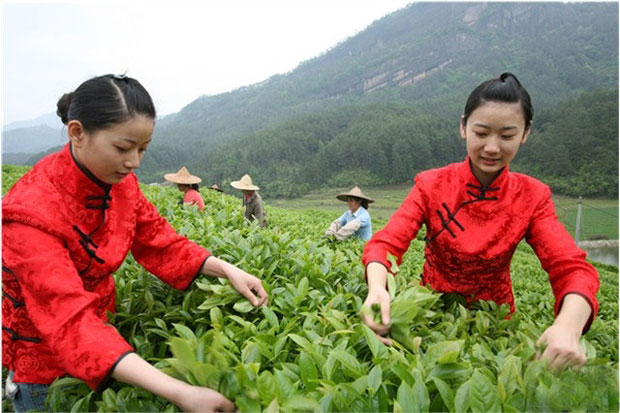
(245,291)
(262,293)
(384,340)
(377,328)
(560,362)
(575,359)
(226,405)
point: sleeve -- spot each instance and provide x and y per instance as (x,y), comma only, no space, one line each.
(158,248)
(258,211)
(348,230)
(63,312)
(397,234)
(364,219)
(343,219)
(566,264)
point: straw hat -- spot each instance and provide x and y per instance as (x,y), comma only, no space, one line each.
(182,177)
(356,192)
(216,188)
(244,183)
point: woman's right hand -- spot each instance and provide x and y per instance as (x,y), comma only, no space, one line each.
(377,294)
(202,399)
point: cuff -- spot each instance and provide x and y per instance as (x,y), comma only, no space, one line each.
(588,324)
(198,273)
(108,379)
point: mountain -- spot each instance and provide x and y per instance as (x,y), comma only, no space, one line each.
(32,139)
(424,59)
(49,119)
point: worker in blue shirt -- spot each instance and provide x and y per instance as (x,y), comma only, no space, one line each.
(356,220)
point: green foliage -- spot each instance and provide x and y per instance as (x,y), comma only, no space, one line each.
(10,175)
(574,146)
(308,351)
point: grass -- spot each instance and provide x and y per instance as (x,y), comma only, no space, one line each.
(599,216)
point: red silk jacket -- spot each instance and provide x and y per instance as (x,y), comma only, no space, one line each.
(473,231)
(64,233)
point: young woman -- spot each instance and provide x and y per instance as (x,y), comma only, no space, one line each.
(67,225)
(188,184)
(251,200)
(355,221)
(476,213)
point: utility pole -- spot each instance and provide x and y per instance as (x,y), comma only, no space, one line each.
(578,224)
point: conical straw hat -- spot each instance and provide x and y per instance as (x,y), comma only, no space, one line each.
(244,183)
(182,177)
(356,192)
(216,188)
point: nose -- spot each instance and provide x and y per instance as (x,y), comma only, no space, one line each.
(492,145)
(133,160)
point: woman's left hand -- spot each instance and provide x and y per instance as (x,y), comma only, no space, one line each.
(247,284)
(562,347)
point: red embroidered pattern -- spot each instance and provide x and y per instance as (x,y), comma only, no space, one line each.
(473,231)
(64,234)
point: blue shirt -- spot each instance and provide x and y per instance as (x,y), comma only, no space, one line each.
(365,231)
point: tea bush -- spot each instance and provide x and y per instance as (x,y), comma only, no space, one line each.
(308,351)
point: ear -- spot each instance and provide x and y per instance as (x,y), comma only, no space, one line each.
(526,134)
(462,127)
(76,133)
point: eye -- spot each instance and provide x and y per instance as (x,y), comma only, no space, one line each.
(142,150)
(481,134)
(507,137)
(121,150)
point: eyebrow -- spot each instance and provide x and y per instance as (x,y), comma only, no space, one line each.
(483,125)
(134,142)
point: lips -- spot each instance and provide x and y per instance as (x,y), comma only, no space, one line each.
(489,161)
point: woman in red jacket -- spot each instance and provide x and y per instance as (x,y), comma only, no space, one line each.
(188,184)
(476,213)
(67,225)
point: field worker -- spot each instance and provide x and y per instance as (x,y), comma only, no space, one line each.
(216,188)
(188,184)
(356,220)
(251,200)
(67,225)
(476,212)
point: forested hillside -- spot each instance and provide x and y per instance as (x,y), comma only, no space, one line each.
(385,103)
(573,147)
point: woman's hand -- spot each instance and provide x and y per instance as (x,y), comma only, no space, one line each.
(562,347)
(377,294)
(243,282)
(202,399)
(381,297)
(562,338)
(246,284)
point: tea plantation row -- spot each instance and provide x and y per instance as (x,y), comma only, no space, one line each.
(308,351)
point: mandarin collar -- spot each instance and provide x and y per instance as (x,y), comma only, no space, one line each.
(75,178)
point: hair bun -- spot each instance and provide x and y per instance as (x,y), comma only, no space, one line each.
(62,107)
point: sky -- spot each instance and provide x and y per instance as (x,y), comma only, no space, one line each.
(178,49)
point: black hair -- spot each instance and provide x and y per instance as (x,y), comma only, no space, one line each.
(363,202)
(505,88)
(104,101)
(194,186)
